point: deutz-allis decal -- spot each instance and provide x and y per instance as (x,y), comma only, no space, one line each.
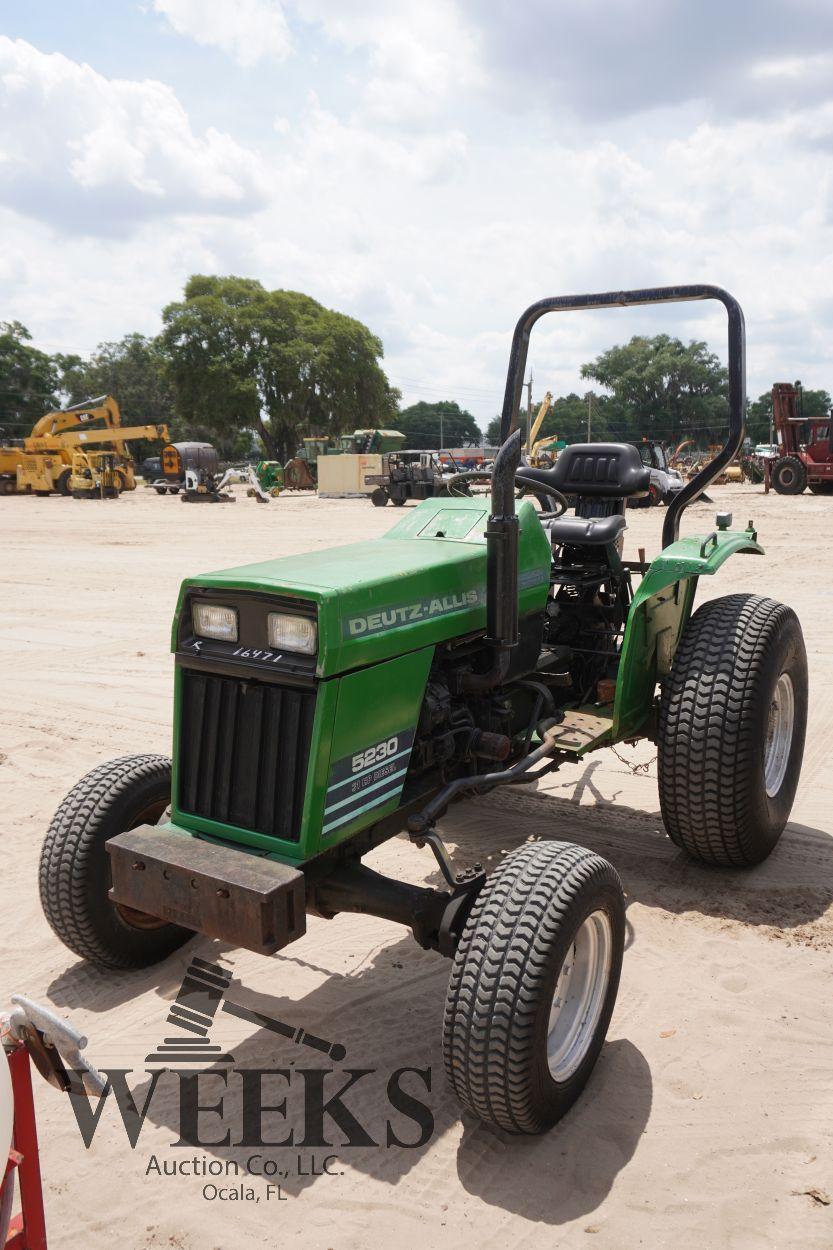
(424,609)
(390,618)
(369,777)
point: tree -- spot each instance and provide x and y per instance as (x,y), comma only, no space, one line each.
(663,388)
(241,358)
(492,435)
(132,369)
(28,381)
(425,424)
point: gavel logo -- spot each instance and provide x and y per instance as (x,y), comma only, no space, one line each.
(200,996)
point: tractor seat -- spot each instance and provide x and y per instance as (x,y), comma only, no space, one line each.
(601,476)
(582,531)
(595,471)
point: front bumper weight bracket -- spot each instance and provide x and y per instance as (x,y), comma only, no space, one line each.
(212,888)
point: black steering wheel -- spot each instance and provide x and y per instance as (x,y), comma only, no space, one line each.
(553,503)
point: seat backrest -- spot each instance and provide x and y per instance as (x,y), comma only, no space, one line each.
(600,471)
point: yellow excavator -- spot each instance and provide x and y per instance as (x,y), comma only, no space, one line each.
(42,463)
(541,452)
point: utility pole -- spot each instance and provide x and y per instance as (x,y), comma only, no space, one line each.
(528,385)
(589,413)
(441,429)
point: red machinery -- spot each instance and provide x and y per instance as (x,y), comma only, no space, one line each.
(31,1032)
(805,446)
(27,1229)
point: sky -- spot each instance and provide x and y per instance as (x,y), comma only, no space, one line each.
(431,168)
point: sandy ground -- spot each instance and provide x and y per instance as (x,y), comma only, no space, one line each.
(709,1115)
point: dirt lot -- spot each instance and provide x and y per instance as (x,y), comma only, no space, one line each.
(708,1119)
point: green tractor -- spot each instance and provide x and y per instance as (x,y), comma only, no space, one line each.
(326,702)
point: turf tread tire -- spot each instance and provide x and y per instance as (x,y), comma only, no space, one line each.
(74,868)
(503,976)
(712,729)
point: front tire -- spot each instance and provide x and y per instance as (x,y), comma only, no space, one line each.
(533,984)
(732,722)
(789,477)
(379,497)
(75,867)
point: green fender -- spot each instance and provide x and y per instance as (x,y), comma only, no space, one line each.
(660,610)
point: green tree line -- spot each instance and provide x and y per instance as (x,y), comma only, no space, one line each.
(248,369)
(659,388)
(254,370)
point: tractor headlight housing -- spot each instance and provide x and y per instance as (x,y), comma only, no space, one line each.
(214,620)
(292,633)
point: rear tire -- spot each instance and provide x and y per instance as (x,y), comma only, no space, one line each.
(62,482)
(789,477)
(732,722)
(549,924)
(75,867)
(821,488)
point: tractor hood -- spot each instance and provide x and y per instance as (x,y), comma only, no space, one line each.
(422,583)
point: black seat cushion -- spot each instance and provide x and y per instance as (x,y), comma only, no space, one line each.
(595,471)
(583,531)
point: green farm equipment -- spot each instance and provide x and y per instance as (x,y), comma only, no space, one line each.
(270,475)
(327,701)
(301,472)
(368,442)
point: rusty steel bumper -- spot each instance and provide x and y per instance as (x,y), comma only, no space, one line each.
(225,893)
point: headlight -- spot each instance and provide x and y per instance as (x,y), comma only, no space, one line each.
(292,633)
(213,621)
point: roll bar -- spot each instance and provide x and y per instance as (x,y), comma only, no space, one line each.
(624,299)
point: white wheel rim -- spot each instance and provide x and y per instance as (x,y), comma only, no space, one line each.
(579,996)
(779,734)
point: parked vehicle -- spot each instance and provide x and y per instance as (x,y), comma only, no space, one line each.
(301,472)
(665,482)
(805,446)
(177,459)
(408,475)
(41,464)
(327,701)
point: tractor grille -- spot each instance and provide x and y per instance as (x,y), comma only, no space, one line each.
(243,752)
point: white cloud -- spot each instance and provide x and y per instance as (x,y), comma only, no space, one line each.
(615,58)
(421,56)
(436,219)
(345,151)
(96,154)
(247,30)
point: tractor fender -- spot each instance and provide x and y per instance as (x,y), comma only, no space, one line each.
(659,612)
